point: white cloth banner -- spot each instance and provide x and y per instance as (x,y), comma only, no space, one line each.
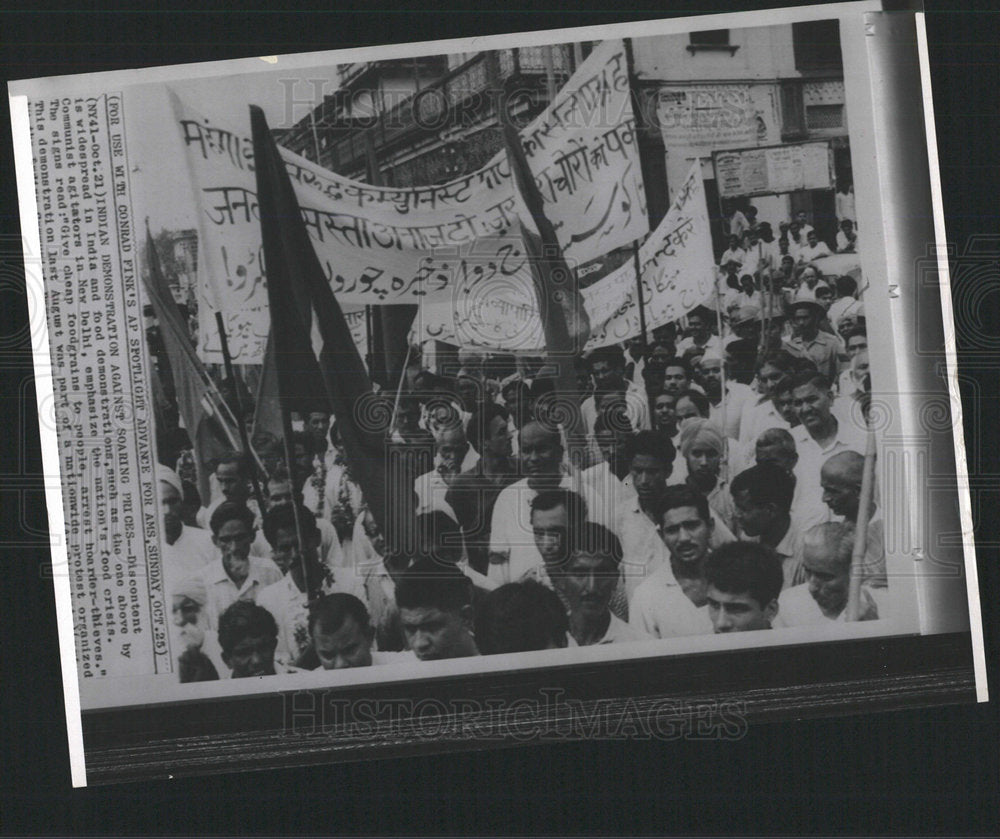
(445,242)
(678,272)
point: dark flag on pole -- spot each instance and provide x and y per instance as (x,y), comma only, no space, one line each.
(317,363)
(565,322)
(207,418)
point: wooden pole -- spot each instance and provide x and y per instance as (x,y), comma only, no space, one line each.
(241,425)
(853,609)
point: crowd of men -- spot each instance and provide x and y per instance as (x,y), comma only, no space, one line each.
(713,485)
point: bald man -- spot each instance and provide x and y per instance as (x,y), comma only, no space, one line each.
(512,543)
(452,456)
(840,479)
(826,558)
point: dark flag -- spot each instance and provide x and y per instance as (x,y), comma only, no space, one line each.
(318,366)
(207,418)
(565,323)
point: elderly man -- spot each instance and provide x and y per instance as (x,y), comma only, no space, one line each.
(512,544)
(452,456)
(744,582)
(826,557)
(704,449)
(186,550)
(840,479)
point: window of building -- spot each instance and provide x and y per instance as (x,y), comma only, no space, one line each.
(816,44)
(711,40)
(820,117)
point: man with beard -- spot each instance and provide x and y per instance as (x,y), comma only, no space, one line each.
(512,545)
(435,610)
(453,455)
(737,394)
(235,575)
(586,583)
(670,601)
(763,498)
(744,582)
(826,558)
(704,448)
(185,550)
(840,479)
(248,637)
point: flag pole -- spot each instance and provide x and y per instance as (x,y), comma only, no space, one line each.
(722,370)
(241,425)
(853,610)
(638,290)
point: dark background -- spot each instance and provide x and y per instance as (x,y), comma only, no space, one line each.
(919,771)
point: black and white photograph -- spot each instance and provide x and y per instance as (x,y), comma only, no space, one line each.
(517,356)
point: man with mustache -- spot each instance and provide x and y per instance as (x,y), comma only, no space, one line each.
(586,583)
(235,575)
(670,601)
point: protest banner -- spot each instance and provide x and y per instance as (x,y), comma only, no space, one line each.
(677,275)
(382,245)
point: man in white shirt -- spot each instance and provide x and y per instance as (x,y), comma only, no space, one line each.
(512,543)
(586,583)
(699,333)
(304,576)
(763,497)
(185,550)
(847,238)
(453,455)
(820,436)
(827,550)
(813,249)
(235,575)
(671,601)
(744,582)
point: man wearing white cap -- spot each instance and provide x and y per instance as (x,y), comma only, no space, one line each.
(185,549)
